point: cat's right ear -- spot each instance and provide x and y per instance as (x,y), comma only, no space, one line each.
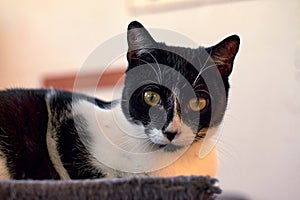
(139,40)
(224,53)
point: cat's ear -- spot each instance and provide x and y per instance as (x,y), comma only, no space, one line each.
(224,52)
(138,39)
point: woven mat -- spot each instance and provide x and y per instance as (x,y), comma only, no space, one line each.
(134,188)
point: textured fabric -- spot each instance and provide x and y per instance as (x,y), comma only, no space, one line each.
(190,187)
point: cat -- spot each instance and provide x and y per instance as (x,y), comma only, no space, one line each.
(171,97)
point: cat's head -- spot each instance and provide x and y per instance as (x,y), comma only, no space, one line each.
(175,92)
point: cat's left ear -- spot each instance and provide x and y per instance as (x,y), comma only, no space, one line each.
(139,41)
(138,37)
(224,52)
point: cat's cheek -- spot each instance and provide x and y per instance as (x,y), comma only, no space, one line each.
(186,137)
(157,137)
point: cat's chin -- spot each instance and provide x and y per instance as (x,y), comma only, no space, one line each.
(170,147)
(160,143)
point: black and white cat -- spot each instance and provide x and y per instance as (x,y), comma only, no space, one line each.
(171,97)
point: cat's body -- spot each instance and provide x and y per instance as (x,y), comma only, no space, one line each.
(171,95)
(31,150)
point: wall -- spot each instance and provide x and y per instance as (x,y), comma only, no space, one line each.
(260,141)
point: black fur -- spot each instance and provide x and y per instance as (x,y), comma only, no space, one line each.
(23,128)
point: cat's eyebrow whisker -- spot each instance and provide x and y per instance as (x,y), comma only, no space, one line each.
(208,57)
(157,64)
(210,66)
(159,77)
(202,68)
(199,74)
(206,61)
(205,68)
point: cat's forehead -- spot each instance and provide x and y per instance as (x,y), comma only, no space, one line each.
(192,59)
(186,53)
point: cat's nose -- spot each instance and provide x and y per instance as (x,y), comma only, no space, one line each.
(170,135)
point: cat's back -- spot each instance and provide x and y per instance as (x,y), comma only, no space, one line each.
(22,112)
(24,123)
(18,102)
(20,107)
(23,127)
(33,123)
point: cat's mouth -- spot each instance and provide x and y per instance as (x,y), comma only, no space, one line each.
(168,141)
(172,147)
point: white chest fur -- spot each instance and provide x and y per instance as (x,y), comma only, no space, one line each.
(120,146)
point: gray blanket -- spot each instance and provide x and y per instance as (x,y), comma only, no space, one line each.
(188,187)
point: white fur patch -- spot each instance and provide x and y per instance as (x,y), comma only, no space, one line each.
(121,148)
(4,173)
(52,144)
(118,144)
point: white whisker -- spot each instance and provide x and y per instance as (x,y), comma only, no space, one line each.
(159,76)
(202,69)
(157,64)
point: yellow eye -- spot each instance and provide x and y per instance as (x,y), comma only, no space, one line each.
(151,98)
(197,104)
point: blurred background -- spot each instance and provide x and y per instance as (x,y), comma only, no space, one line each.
(260,142)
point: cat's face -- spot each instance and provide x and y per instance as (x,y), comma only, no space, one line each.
(175,92)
